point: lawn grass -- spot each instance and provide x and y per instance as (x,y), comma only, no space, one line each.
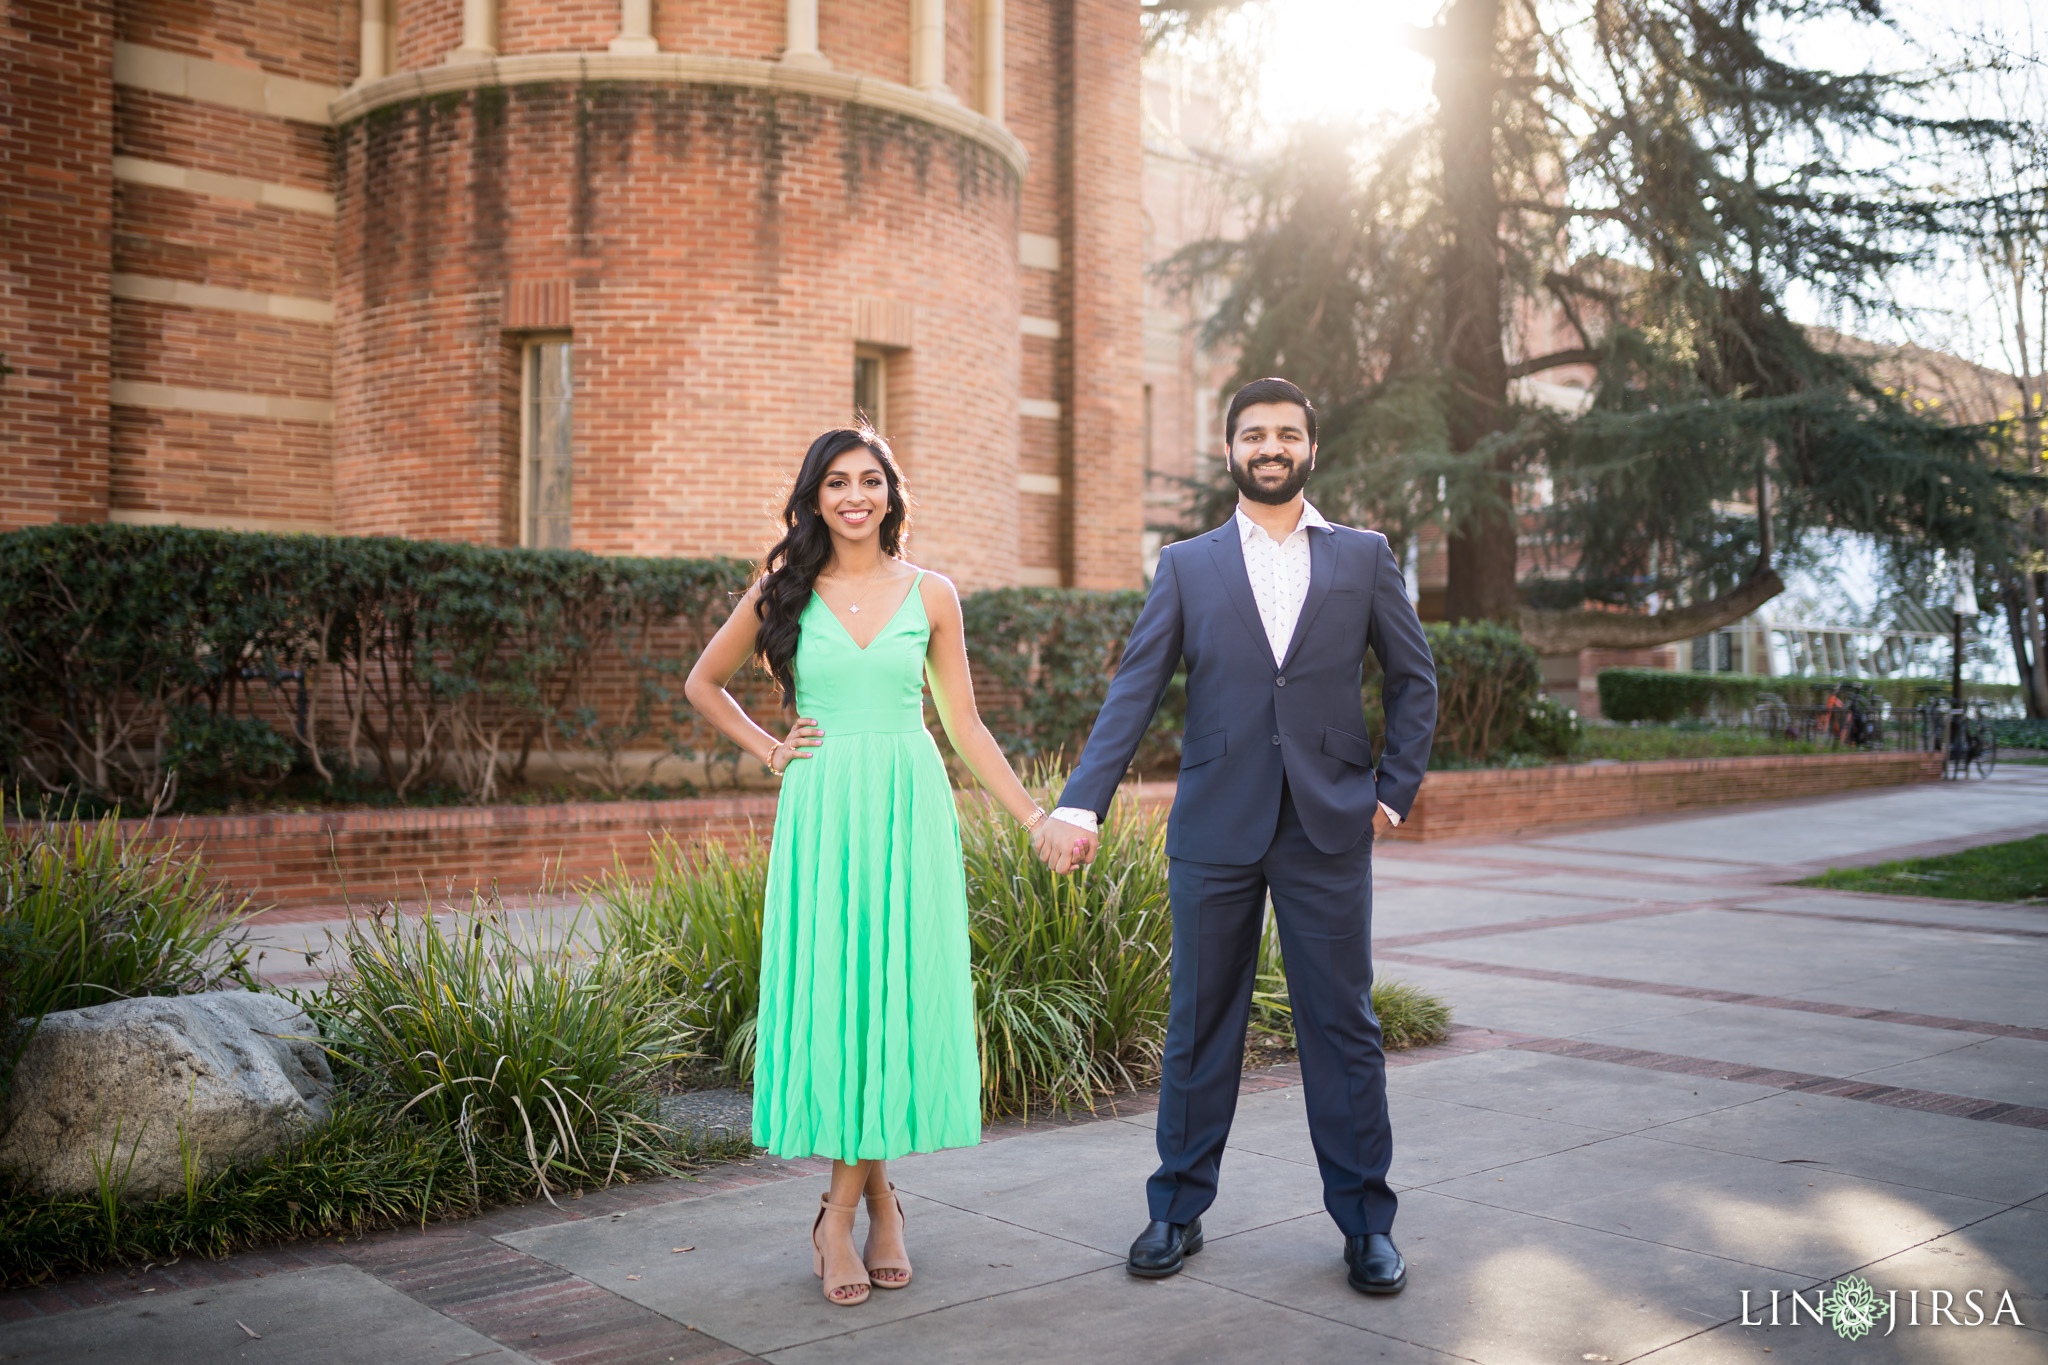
(1646,743)
(2017,871)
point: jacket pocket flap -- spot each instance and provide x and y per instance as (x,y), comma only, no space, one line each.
(1346,746)
(1202,748)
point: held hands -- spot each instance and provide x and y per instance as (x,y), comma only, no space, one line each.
(1063,847)
(803,737)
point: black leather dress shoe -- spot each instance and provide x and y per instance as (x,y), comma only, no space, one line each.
(1376,1264)
(1162,1248)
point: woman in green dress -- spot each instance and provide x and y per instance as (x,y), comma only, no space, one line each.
(865,1046)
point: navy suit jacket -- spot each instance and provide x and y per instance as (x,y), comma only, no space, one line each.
(1250,723)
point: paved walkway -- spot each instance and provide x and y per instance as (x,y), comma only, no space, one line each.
(1674,1080)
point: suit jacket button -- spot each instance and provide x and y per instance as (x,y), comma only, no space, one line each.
(1276,739)
(1279,682)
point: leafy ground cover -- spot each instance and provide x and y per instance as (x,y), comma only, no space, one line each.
(2016,871)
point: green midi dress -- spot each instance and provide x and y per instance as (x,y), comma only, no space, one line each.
(865,1045)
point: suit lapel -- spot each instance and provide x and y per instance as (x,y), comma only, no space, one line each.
(1226,554)
(1322,568)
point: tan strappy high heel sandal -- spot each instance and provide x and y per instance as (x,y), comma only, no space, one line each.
(877,1265)
(837,1283)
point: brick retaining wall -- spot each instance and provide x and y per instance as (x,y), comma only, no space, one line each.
(1501,802)
(371,856)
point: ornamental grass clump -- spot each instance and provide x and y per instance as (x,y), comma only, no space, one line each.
(1409,1016)
(694,928)
(537,1059)
(1071,974)
(107,917)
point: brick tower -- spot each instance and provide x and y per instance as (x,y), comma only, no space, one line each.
(576,272)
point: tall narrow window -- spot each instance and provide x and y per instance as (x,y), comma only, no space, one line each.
(548,443)
(871,389)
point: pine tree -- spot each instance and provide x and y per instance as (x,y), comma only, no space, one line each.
(1659,174)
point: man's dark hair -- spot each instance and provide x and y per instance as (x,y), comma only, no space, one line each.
(1267,391)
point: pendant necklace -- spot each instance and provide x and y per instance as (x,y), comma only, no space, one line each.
(854,609)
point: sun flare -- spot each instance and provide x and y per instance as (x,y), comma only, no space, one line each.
(1340,58)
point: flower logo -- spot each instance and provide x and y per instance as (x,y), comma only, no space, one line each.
(1852,1307)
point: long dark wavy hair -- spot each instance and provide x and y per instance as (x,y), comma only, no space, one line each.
(793,565)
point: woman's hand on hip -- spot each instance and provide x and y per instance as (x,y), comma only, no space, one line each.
(803,737)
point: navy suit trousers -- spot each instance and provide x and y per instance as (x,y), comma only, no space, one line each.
(1322,906)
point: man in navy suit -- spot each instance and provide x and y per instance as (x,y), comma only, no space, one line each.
(1272,613)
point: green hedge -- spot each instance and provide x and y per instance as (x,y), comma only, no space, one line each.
(1663,695)
(1654,694)
(139,663)
(1045,656)
(136,658)
(1487,682)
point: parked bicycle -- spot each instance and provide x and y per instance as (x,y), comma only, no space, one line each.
(1963,734)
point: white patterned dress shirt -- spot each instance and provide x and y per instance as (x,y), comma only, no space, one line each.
(1279,572)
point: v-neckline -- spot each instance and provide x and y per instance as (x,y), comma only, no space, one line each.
(884,630)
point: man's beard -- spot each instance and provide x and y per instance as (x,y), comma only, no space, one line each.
(1277,494)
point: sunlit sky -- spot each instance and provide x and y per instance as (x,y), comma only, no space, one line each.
(1341,58)
(1303,60)
(1322,58)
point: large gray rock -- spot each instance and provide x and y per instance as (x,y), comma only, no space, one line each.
(232,1074)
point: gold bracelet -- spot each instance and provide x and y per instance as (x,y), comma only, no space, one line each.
(1036,818)
(771,759)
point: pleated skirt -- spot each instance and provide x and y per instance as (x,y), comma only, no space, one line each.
(865,1043)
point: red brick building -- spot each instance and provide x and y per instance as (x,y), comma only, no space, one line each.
(576,272)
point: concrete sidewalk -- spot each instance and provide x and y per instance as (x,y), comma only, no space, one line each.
(1674,1081)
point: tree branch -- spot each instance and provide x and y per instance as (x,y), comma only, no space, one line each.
(1563,283)
(1583,355)
(1568,632)
(1565,210)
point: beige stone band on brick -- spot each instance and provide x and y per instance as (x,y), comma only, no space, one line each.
(1039,407)
(554,68)
(134,393)
(125,516)
(1039,483)
(1039,327)
(1038,251)
(185,294)
(137,170)
(1040,576)
(211,82)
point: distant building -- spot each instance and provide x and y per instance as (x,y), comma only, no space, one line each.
(583,273)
